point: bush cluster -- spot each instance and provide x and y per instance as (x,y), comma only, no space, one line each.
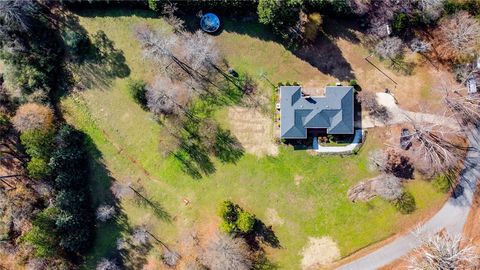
(38,144)
(137,89)
(235,220)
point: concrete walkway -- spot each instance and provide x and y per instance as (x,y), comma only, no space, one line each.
(451,217)
(399,115)
(357,141)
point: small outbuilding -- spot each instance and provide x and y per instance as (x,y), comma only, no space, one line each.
(471,85)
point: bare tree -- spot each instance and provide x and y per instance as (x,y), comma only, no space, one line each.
(377,160)
(32,116)
(369,102)
(169,10)
(442,251)
(200,51)
(391,48)
(170,258)
(432,9)
(140,236)
(226,253)
(37,264)
(105,212)
(121,244)
(157,45)
(392,162)
(106,264)
(388,187)
(466,108)
(17,14)
(458,36)
(166,97)
(122,190)
(359,7)
(379,14)
(420,46)
(187,57)
(434,147)
(208,131)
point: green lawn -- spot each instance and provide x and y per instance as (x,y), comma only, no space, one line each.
(125,139)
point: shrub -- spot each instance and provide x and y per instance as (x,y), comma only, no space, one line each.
(406,203)
(153,5)
(227,227)
(32,116)
(281,15)
(42,235)
(390,48)
(245,222)
(38,168)
(38,143)
(78,44)
(313,26)
(400,23)
(4,125)
(137,89)
(442,183)
(235,219)
(228,211)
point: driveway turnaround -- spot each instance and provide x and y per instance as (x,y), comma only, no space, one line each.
(451,217)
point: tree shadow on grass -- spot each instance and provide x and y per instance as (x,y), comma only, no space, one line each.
(95,60)
(261,234)
(102,64)
(227,148)
(194,159)
(107,233)
(194,155)
(265,234)
(157,208)
(323,54)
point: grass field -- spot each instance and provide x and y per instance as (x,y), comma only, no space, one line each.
(307,192)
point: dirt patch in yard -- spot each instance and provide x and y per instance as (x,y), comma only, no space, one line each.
(297,179)
(273,218)
(319,252)
(254,130)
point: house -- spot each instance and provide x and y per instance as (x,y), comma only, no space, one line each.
(331,113)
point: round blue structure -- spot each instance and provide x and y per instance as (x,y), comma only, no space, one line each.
(210,22)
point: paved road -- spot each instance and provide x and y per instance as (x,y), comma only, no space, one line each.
(451,217)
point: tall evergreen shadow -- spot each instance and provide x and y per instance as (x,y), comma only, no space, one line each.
(106,233)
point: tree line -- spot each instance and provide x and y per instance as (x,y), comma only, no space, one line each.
(45,188)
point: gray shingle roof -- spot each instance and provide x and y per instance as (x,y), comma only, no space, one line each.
(334,111)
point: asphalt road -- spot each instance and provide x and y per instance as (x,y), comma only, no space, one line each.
(451,217)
